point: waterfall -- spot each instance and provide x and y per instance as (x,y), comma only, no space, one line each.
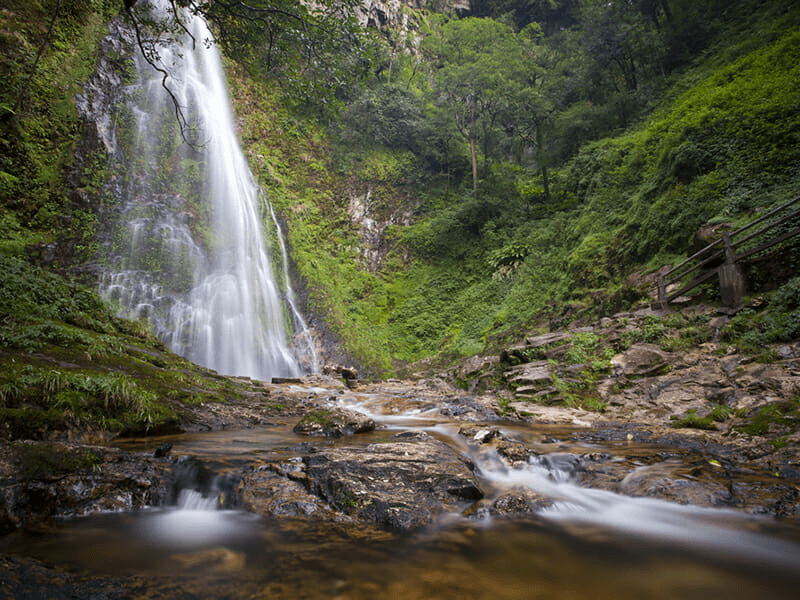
(190,256)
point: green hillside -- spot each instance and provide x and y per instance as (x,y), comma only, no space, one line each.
(574,206)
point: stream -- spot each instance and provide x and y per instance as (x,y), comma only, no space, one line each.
(584,542)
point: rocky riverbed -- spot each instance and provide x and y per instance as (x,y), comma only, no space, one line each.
(406,475)
(700,426)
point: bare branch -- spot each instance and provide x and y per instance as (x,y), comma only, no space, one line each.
(181,24)
(150,55)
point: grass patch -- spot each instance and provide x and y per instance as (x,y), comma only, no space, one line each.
(691,420)
(783,417)
(319,416)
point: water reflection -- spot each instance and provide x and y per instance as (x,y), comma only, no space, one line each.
(235,555)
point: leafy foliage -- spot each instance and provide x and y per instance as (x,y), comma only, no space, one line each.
(717,414)
(49,49)
(316,50)
(780,322)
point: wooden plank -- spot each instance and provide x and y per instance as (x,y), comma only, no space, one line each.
(734,234)
(690,286)
(676,274)
(767,228)
(691,258)
(766,216)
(781,238)
(717,254)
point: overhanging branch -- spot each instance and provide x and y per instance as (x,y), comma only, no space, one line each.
(150,55)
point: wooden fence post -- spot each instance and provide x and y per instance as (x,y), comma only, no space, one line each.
(662,292)
(731,279)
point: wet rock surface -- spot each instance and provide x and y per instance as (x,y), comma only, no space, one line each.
(405,456)
(334,422)
(41,481)
(407,479)
(403,484)
(448,455)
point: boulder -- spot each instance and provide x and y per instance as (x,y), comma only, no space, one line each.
(537,374)
(347,373)
(334,422)
(480,435)
(42,480)
(640,360)
(674,481)
(520,502)
(475,364)
(404,483)
(546,339)
(515,354)
(264,491)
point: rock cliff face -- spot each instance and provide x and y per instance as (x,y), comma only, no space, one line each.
(390,14)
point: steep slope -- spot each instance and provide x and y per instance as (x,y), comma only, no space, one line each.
(405,263)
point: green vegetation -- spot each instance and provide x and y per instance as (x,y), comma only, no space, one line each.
(782,417)
(585,361)
(319,416)
(438,202)
(718,414)
(752,331)
(522,183)
(110,401)
(48,51)
(67,363)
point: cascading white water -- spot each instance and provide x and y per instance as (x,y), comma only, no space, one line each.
(190,257)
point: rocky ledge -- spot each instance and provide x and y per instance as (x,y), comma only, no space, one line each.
(657,368)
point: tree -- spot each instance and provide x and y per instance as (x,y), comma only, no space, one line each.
(551,15)
(537,100)
(477,77)
(622,53)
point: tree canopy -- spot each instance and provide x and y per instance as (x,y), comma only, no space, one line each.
(317,50)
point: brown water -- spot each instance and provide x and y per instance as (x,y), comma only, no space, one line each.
(238,556)
(590,543)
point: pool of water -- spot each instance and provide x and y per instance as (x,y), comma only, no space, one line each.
(230,554)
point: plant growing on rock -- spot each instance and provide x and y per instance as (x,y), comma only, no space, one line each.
(718,414)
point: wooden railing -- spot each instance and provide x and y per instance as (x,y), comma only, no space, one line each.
(724,257)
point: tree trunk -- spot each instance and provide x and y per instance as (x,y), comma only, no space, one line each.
(473,154)
(667,12)
(474,166)
(540,161)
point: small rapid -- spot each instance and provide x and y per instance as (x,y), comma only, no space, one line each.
(550,480)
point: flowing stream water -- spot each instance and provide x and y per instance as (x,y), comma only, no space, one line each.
(190,255)
(588,544)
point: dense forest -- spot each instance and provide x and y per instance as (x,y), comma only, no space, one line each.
(533,162)
(450,179)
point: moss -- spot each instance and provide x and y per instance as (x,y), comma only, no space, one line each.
(46,461)
(320,416)
(782,416)
(30,423)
